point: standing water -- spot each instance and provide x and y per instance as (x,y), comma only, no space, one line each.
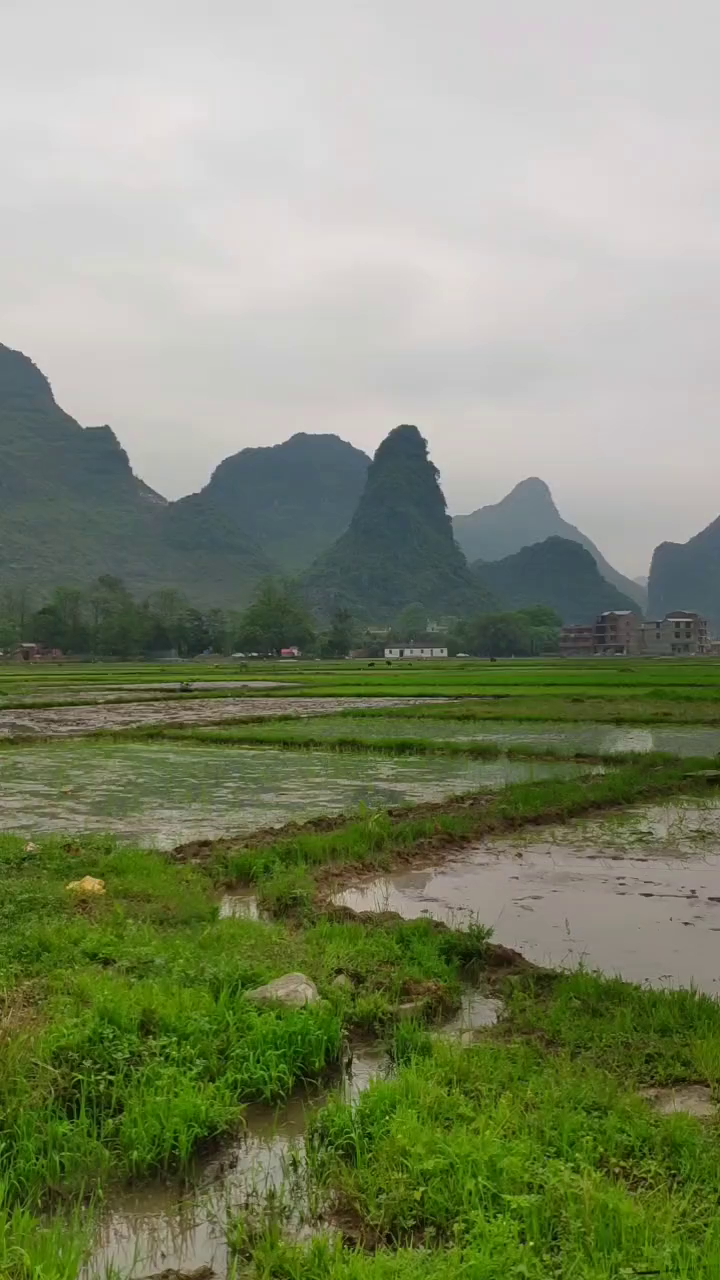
(163,795)
(636,896)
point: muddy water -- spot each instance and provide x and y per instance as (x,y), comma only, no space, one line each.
(638,897)
(600,738)
(162,795)
(158,1227)
(59,722)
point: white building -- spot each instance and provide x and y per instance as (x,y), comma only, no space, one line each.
(415,651)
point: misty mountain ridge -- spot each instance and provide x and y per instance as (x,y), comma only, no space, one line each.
(558,573)
(375,535)
(71,508)
(526,516)
(294,499)
(399,549)
(687,576)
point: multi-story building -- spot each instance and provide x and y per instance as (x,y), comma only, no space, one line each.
(653,638)
(577,642)
(618,631)
(685,633)
(679,634)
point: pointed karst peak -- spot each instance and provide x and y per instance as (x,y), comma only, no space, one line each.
(22,385)
(399,548)
(404,484)
(533,489)
(404,442)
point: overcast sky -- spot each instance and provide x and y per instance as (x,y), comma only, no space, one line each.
(225,222)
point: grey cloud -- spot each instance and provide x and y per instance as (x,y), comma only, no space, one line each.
(224,223)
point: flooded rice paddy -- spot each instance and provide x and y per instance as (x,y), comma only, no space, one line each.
(635,895)
(565,737)
(160,795)
(70,721)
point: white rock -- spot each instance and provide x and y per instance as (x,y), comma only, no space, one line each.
(294,990)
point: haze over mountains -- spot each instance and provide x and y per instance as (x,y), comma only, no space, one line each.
(558,573)
(369,536)
(525,516)
(72,509)
(295,499)
(689,572)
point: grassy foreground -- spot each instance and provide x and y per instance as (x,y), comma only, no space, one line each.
(127,1044)
(529,1155)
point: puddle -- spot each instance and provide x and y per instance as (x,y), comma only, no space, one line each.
(476,1013)
(600,738)
(62,722)
(239,906)
(162,795)
(646,908)
(159,1227)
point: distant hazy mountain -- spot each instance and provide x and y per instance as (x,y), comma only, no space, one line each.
(293,499)
(687,576)
(558,573)
(399,548)
(528,515)
(72,509)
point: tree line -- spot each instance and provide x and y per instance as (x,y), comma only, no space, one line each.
(106,620)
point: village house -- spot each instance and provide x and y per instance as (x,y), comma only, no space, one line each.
(415,651)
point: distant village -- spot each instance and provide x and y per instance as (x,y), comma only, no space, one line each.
(622,632)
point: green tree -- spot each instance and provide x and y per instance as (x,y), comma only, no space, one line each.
(338,641)
(62,623)
(411,624)
(277,619)
(15,615)
(496,635)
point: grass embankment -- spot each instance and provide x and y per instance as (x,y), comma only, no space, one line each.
(643,709)
(408,734)
(529,1155)
(284,865)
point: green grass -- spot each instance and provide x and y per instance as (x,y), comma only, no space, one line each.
(530,1155)
(642,709)
(435,735)
(127,1042)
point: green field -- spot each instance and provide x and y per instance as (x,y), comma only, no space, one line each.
(155,1120)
